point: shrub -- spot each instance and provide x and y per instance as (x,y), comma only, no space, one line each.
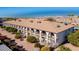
(38,45)
(9,29)
(45,48)
(18,35)
(62,48)
(51,48)
(73,38)
(0,42)
(14,30)
(32,39)
(3,27)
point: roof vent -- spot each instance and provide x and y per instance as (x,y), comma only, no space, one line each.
(58,26)
(19,20)
(31,21)
(51,19)
(65,23)
(38,21)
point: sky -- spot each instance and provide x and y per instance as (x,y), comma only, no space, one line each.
(37,11)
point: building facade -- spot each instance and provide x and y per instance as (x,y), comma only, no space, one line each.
(46,37)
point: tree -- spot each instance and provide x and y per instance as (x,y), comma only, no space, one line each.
(63,48)
(32,39)
(14,30)
(73,38)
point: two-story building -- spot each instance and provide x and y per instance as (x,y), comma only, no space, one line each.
(51,33)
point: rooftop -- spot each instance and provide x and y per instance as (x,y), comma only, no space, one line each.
(41,24)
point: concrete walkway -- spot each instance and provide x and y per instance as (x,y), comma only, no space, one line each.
(24,43)
(72,47)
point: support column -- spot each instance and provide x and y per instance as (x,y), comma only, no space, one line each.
(17,28)
(26,32)
(40,37)
(47,33)
(34,32)
(23,29)
(55,37)
(30,31)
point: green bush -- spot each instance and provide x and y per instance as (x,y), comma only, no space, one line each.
(3,27)
(9,29)
(14,30)
(32,39)
(63,48)
(73,38)
(18,35)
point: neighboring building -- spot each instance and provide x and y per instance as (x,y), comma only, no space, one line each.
(4,48)
(51,33)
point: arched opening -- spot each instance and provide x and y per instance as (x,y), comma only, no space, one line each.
(51,35)
(32,30)
(37,31)
(43,33)
(27,29)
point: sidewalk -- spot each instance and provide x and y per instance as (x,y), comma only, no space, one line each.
(69,45)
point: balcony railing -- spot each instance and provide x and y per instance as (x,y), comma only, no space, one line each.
(43,35)
(43,42)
